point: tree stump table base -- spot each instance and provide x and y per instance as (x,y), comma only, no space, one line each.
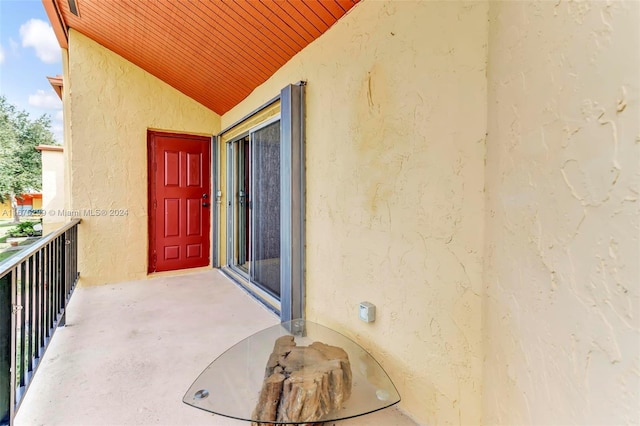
(303,383)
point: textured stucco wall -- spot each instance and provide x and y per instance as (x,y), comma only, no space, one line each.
(66,110)
(52,183)
(396,120)
(562,250)
(113,103)
(52,189)
(398,100)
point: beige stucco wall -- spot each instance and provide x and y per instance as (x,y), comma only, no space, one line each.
(112,104)
(52,189)
(395,122)
(535,253)
(6,212)
(562,249)
(66,134)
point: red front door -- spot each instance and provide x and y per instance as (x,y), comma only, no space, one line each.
(179,201)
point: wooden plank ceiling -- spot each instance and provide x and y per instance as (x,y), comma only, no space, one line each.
(214,51)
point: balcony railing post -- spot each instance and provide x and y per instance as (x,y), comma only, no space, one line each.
(22,323)
(47,285)
(6,311)
(63,279)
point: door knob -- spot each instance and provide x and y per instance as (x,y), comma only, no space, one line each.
(205,204)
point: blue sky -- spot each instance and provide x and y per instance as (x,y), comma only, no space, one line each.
(29,52)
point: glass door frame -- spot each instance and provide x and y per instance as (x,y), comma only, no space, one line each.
(233,165)
(290,104)
(232,213)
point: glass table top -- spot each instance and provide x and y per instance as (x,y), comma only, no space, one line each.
(296,372)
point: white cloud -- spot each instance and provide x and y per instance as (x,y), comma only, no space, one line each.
(49,100)
(58,132)
(39,35)
(45,100)
(1,54)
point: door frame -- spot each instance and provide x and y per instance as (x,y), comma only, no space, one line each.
(152,181)
(291,304)
(231,208)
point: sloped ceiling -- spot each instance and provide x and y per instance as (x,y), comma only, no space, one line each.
(214,51)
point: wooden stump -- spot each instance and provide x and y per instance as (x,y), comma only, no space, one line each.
(303,383)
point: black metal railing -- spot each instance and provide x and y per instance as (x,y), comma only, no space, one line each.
(35,287)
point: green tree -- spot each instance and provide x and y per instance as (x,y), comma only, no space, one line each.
(20,162)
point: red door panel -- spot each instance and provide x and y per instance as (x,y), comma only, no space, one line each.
(179,197)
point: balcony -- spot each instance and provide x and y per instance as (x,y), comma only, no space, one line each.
(129,351)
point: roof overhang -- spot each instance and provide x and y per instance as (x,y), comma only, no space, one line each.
(216,52)
(56,148)
(59,27)
(57,84)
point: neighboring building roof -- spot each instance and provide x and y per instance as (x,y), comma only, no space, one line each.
(56,83)
(214,52)
(49,148)
(27,199)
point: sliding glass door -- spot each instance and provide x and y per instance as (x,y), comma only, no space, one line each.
(264,202)
(256,206)
(241,189)
(264,267)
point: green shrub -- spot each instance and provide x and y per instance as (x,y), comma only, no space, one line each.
(23,229)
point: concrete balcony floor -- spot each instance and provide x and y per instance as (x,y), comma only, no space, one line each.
(130,351)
